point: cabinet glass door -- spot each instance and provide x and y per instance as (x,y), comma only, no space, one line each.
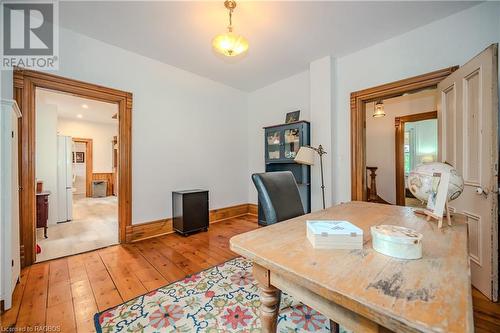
(292,142)
(273,145)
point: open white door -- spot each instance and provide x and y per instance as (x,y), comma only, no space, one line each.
(468,123)
(64,179)
(9,194)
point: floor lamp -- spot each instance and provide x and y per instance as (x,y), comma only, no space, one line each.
(305,155)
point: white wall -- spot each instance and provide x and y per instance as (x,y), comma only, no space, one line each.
(447,42)
(312,93)
(101,135)
(321,77)
(46,154)
(268,106)
(381,137)
(6,78)
(187,131)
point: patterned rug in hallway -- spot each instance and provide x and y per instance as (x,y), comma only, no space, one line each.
(224,298)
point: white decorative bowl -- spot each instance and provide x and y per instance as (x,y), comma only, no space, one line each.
(396,241)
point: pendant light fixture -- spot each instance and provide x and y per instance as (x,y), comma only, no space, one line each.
(229,43)
(379,110)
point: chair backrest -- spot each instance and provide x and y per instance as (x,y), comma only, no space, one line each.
(278,195)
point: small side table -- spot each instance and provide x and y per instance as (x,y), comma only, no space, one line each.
(190,211)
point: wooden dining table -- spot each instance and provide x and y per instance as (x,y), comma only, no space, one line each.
(363,290)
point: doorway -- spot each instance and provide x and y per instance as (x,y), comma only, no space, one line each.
(382,117)
(416,143)
(359,101)
(85,171)
(467,109)
(76,208)
(26,83)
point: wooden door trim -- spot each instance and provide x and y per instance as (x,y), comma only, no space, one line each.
(25,84)
(399,123)
(358,102)
(89,165)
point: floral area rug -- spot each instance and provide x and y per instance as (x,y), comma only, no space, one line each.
(224,298)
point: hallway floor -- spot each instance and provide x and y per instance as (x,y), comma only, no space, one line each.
(94,226)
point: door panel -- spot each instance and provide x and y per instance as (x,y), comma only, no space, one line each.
(468,114)
(449,102)
(474,227)
(472,128)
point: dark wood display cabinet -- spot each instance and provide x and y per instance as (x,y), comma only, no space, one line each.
(190,211)
(282,143)
(42,211)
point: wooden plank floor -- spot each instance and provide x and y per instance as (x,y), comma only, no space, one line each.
(67,292)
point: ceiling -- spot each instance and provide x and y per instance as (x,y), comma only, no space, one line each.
(72,107)
(284,37)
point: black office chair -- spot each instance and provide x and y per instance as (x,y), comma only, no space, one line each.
(278,195)
(280,200)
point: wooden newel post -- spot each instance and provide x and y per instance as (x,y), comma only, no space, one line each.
(372,193)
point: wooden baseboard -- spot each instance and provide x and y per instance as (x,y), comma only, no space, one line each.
(253,209)
(141,231)
(220,214)
(22,255)
(157,228)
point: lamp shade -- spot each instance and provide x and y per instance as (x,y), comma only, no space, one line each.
(230,44)
(305,155)
(379,110)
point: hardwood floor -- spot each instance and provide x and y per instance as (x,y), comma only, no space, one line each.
(486,313)
(67,292)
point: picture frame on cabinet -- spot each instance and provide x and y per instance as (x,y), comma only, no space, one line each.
(292,117)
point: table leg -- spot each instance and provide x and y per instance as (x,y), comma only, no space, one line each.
(269,297)
(334,327)
(270,305)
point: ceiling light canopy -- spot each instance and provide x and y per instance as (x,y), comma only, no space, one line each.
(379,110)
(230,44)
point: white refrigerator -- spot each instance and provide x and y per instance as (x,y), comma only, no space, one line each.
(64,178)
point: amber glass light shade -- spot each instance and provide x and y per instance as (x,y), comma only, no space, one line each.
(230,44)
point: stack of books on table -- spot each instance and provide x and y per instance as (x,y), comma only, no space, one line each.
(331,234)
